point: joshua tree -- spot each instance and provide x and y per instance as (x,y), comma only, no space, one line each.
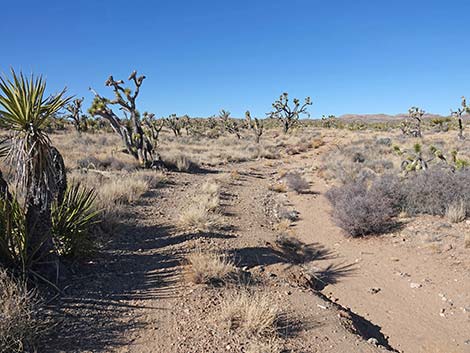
(414,161)
(38,166)
(230,125)
(288,115)
(255,125)
(328,121)
(79,120)
(416,114)
(152,127)
(176,123)
(131,133)
(458,114)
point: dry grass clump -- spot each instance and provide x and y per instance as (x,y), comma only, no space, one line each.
(278,187)
(211,268)
(254,314)
(178,161)
(115,190)
(20,324)
(122,191)
(202,213)
(296,182)
(456,212)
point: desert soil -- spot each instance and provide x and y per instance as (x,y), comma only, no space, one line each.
(407,291)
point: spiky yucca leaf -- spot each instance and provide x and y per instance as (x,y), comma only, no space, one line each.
(24,111)
(13,236)
(72,219)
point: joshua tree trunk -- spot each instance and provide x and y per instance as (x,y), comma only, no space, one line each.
(134,138)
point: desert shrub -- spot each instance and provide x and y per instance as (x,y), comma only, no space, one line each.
(72,220)
(456,212)
(211,268)
(363,208)
(20,321)
(296,182)
(431,192)
(254,314)
(179,162)
(348,164)
(360,209)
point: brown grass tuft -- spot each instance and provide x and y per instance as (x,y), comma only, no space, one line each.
(20,325)
(201,214)
(278,187)
(254,314)
(210,268)
(456,212)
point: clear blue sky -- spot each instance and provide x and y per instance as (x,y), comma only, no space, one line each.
(201,56)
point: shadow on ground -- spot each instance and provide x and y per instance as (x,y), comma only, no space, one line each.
(102,298)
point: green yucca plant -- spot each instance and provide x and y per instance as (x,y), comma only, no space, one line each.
(13,239)
(25,111)
(15,248)
(72,219)
(38,167)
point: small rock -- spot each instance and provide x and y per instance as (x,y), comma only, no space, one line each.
(373,341)
(441,313)
(374,290)
(415,285)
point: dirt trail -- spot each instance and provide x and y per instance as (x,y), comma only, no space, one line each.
(135,298)
(419,301)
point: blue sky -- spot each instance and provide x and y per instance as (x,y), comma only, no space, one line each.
(202,56)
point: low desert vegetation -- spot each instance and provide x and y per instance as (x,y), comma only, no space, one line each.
(456,212)
(67,176)
(202,213)
(21,322)
(296,182)
(253,314)
(211,268)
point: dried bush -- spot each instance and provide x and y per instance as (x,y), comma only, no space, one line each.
(20,320)
(296,182)
(456,212)
(254,314)
(210,268)
(431,192)
(201,214)
(360,209)
(361,161)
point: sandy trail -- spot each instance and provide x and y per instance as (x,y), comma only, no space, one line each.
(421,303)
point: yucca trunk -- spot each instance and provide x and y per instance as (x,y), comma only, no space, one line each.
(38,228)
